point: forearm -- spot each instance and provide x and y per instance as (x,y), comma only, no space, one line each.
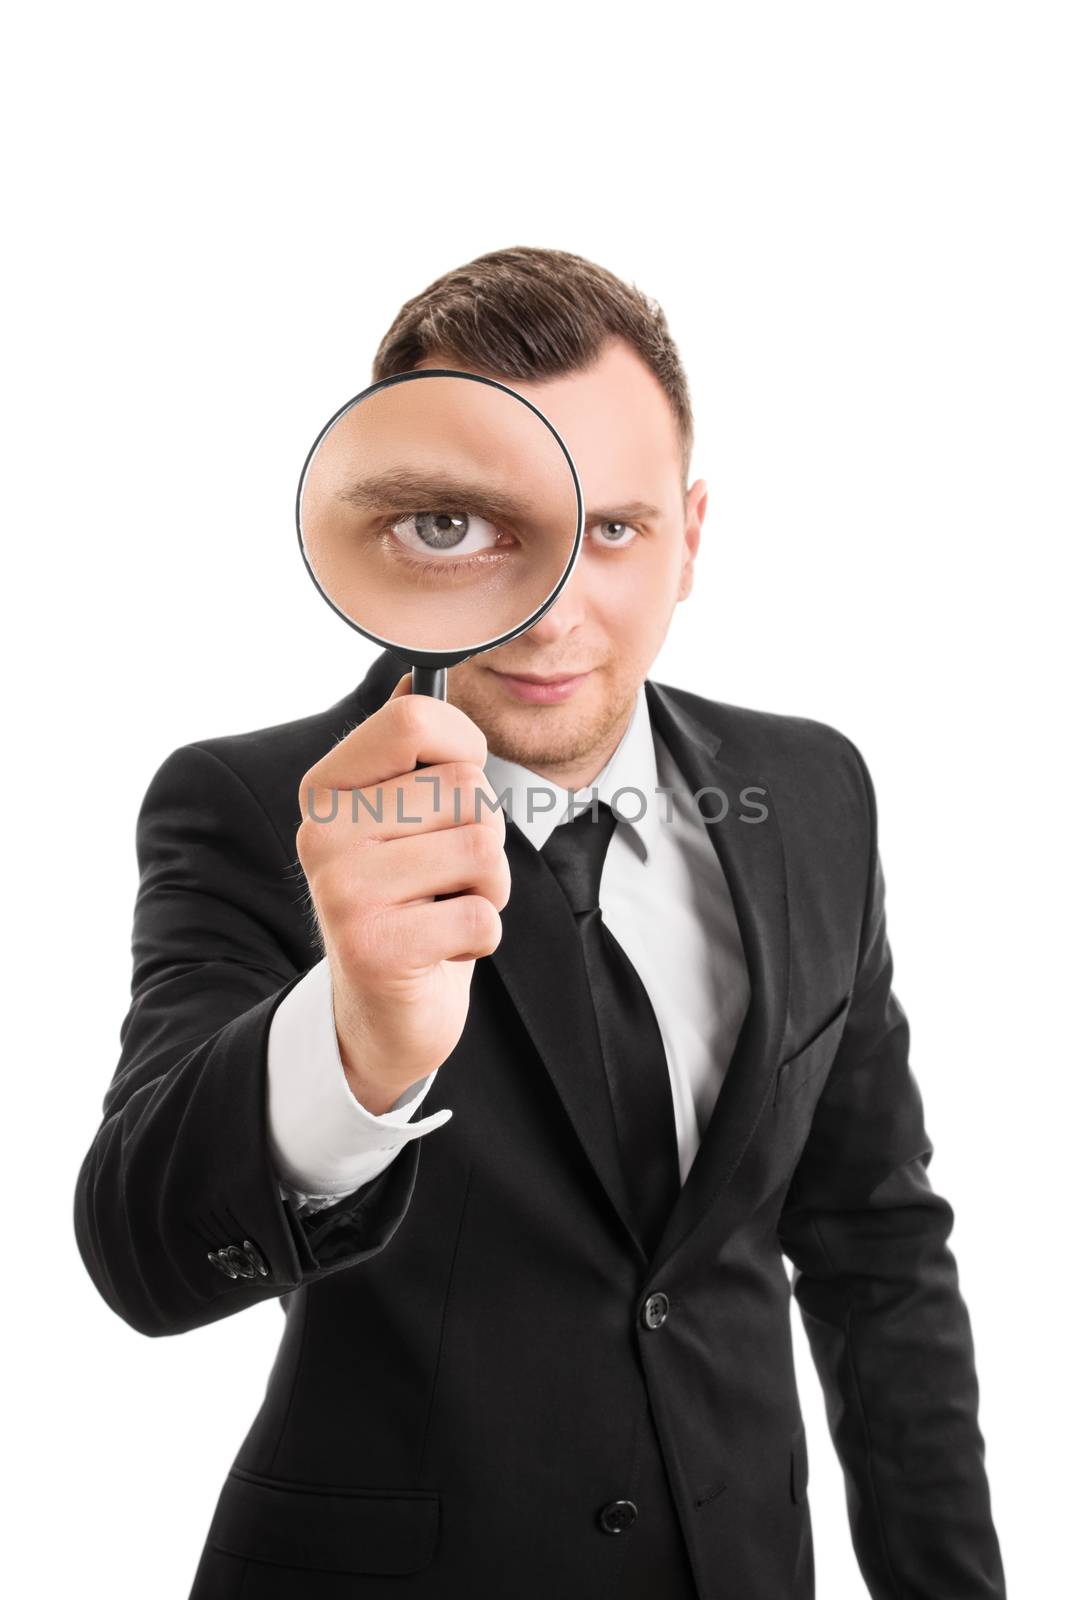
(879,1294)
(180,1169)
(890,1336)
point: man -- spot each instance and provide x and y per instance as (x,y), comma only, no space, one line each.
(518,1111)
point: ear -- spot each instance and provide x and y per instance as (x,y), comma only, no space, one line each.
(696,504)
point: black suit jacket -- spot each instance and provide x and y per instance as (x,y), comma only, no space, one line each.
(471,1390)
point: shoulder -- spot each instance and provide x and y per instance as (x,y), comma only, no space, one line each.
(776,742)
(255,754)
(260,768)
(271,761)
(815,775)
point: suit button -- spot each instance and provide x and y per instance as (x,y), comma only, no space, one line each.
(255,1259)
(239,1260)
(654,1311)
(617,1516)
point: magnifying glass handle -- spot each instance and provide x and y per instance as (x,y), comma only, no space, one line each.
(430,680)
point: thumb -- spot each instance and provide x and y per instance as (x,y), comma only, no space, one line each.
(403,686)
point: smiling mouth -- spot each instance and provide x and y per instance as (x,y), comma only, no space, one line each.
(534,677)
(543,677)
(541,688)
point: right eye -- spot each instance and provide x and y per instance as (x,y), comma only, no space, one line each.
(435,533)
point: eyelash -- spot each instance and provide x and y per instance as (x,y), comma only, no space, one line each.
(423,564)
(462,564)
(604,521)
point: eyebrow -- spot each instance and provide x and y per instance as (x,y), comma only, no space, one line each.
(632,511)
(430,489)
(426,488)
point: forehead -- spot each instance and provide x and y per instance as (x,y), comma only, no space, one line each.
(617,422)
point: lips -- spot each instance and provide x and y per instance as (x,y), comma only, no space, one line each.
(533,677)
(541,690)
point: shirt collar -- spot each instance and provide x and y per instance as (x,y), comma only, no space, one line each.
(535,804)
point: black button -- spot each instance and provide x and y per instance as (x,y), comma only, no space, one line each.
(239,1260)
(654,1311)
(255,1257)
(617,1516)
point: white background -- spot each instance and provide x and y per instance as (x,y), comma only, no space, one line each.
(853,216)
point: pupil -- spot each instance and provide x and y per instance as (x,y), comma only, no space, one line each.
(440,530)
(615,530)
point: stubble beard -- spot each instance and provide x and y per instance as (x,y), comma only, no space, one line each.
(545,737)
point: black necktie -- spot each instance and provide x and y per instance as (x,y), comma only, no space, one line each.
(635,1063)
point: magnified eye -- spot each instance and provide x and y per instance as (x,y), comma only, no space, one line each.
(431,533)
(616,535)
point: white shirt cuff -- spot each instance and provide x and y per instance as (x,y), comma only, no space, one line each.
(323,1142)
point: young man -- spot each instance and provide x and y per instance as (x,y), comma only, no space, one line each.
(522,1160)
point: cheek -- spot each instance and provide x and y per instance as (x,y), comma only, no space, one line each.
(653,583)
(636,598)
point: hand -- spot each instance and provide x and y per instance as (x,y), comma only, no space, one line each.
(400,960)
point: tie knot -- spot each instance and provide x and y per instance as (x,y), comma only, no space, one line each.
(575,852)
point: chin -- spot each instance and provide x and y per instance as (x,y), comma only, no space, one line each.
(538,735)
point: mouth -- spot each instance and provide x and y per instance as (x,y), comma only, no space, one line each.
(538,689)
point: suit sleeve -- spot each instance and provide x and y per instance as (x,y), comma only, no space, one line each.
(880,1301)
(178,1211)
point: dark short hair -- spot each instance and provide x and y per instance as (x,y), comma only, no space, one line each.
(533,313)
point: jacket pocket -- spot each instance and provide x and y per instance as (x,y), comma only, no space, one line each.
(798,1466)
(324,1529)
(819,1051)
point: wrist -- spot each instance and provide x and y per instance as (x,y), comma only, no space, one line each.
(374,1094)
(375,1091)
(376,1084)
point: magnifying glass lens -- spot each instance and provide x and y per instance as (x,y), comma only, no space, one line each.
(439,513)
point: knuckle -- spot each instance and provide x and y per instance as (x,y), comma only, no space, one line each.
(472,773)
(320,802)
(481,921)
(482,843)
(465,778)
(360,944)
(307,839)
(478,738)
(454,771)
(411,713)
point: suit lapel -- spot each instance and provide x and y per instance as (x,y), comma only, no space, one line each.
(540,961)
(753,863)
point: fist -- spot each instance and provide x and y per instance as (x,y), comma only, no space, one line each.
(408,877)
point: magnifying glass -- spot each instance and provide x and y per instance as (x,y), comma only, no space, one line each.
(440,514)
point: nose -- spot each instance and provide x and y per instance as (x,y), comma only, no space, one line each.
(567,612)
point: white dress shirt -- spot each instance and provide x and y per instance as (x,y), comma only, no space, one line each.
(664,897)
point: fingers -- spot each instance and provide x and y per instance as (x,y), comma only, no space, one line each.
(470,859)
(407,729)
(416,936)
(449,796)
